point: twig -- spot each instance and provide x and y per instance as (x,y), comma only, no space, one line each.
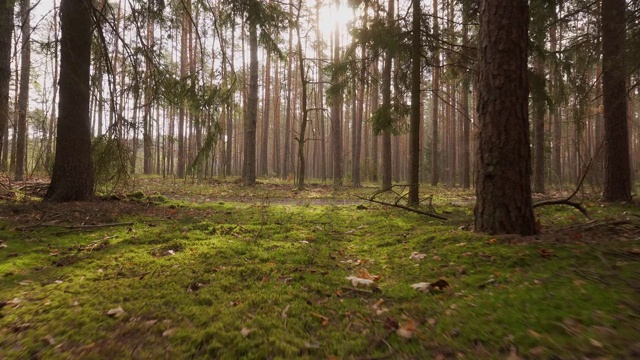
(565,201)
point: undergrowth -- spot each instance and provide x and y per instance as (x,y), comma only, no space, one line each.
(260,279)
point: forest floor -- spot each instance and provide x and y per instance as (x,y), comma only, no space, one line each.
(171,269)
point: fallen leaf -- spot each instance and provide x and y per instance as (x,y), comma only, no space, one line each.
(437,258)
(417,256)
(356,281)
(407,329)
(534,334)
(325,320)
(423,286)
(283,314)
(315,344)
(245,331)
(595,343)
(169,332)
(49,340)
(546,253)
(364,274)
(119,311)
(537,351)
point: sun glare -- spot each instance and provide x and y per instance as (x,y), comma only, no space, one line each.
(330,16)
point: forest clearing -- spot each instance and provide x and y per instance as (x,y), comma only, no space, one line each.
(219,270)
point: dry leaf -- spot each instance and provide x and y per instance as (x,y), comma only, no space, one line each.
(417,256)
(116,312)
(364,274)
(49,340)
(534,334)
(595,343)
(245,332)
(356,281)
(325,320)
(169,332)
(423,286)
(283,314)
(407,329)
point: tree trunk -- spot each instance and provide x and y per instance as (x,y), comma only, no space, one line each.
(386,105)
(251,114)
(617,175)
(414,131)
(72,178)
(266,108)
(23,98)
(336,121)
(503,177)
(435,170)
(182,112)
(147,129)
(6,30)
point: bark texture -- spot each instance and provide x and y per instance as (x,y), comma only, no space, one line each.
(6,29)
(617,174)
(72,178)
(503,175)
(251,115)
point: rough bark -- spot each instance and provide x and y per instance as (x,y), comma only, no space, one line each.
(503,177)
(72,178)
(386,104)
(435,170)
(23,98)
(251,114)
(617,175)
(6,30)
(414,131)
(336,120)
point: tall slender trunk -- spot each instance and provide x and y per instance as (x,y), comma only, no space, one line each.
(6,30)
(435,170)
(386,104)
(287,122)
(23,99)
(266,109)
(538,132)
(336,121)
(251,115)
(414,131)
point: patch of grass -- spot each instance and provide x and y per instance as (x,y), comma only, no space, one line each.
(260,279)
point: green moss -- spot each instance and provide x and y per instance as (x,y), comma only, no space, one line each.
(255,279)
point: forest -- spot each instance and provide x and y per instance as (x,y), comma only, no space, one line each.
(361,179)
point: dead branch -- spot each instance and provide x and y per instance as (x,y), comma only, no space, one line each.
(403,207)
(565,201)
(77,227)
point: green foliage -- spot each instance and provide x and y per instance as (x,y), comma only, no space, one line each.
(110,159)
(390,117)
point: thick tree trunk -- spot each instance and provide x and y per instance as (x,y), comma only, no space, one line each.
(414,131)
(617,175)
(6,30)
(23,98)
(251,114)
(503,177)
(72,178)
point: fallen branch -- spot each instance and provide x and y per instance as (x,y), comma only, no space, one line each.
(403,207)
(76,227)
(566,201)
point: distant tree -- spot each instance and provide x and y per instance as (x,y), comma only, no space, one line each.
(414,131)
(386,106)
(503,177)
(435,140)
(6,30)
(617,179)
(72,178)
(23,98)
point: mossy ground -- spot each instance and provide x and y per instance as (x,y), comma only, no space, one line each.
(223,271)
